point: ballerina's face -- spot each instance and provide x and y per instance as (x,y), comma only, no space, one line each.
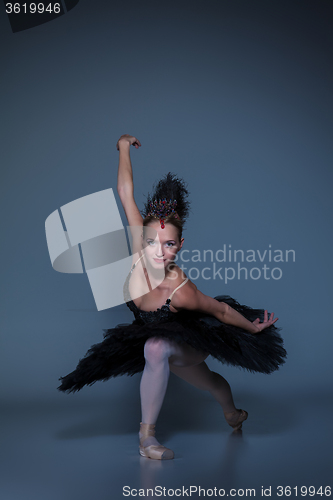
(161,245)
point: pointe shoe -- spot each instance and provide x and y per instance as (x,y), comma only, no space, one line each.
(153,451)
(236,424)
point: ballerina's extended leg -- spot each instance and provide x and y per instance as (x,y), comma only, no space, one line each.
(203,378)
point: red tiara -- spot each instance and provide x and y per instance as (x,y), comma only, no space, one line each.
(162,209)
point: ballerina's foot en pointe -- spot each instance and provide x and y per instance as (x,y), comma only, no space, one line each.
(149,446)
(236,418)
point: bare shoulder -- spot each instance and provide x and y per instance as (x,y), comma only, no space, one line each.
(189,297)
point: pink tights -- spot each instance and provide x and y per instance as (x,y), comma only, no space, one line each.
(163,355)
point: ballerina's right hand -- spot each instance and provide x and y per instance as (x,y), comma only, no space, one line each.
(130,140)
(266,323)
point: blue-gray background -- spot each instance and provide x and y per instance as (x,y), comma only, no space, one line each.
(233,96)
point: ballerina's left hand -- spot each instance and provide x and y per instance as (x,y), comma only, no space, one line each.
(266,323)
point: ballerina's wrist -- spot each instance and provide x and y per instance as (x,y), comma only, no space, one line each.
(124,145)
(254,329)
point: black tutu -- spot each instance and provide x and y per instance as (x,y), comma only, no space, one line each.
(122,350)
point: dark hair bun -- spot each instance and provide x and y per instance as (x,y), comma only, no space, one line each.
(170,187)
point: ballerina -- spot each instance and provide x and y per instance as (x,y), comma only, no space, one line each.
(176,327)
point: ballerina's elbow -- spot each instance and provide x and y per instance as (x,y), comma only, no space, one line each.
(223,311)
(125,189)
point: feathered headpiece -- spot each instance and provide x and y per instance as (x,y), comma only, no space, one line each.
(169,198)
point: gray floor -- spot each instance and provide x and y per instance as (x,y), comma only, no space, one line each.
(80,450)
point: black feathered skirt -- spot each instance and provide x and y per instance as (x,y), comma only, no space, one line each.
(122,350)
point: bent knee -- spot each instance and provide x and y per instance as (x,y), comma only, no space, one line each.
(157,350)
